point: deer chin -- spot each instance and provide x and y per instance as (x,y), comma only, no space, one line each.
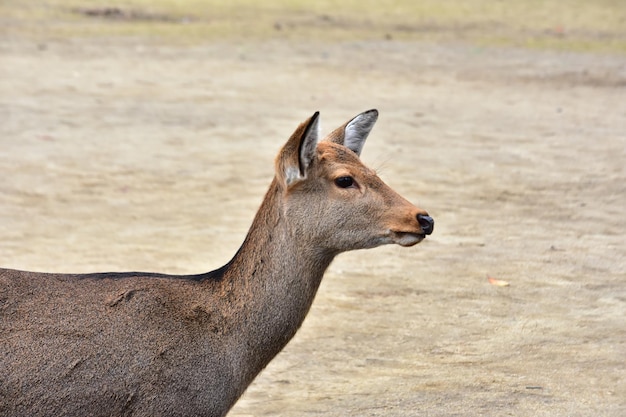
(407,239)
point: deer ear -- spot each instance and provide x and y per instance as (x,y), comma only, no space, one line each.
(353,134)
(294,159)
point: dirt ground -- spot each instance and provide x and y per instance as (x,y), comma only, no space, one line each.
(123,154)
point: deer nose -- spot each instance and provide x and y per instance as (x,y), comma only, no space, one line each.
(426,223)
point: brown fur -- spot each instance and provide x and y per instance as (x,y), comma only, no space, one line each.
(141,344)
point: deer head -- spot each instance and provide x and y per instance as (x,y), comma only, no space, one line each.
(326,183)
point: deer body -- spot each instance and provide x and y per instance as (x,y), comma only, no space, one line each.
(143,344)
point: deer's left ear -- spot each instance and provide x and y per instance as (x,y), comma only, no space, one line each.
(295,158)
(353,134)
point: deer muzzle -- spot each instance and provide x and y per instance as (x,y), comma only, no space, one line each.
(426,223)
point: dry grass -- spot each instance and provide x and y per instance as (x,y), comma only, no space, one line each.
(555,24)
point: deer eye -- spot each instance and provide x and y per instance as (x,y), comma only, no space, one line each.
(344,182)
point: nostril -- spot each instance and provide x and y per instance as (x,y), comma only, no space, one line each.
(426,223)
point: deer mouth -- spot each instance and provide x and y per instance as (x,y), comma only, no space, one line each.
(407,239)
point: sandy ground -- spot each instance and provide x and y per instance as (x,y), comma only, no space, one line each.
(124,155)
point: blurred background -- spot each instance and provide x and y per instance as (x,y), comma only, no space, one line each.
(576,25)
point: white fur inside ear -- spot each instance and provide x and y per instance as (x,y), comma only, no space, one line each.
(292,174)
(308,148)
(358,129)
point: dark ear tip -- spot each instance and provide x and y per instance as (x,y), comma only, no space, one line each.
(369,116)
(313,121)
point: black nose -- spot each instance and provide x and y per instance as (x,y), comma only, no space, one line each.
(426,223)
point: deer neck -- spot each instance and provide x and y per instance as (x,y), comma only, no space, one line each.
(273,280)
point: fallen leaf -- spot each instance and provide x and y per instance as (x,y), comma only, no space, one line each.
(498,282)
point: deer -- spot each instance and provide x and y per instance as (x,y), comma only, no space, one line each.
(150,344)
